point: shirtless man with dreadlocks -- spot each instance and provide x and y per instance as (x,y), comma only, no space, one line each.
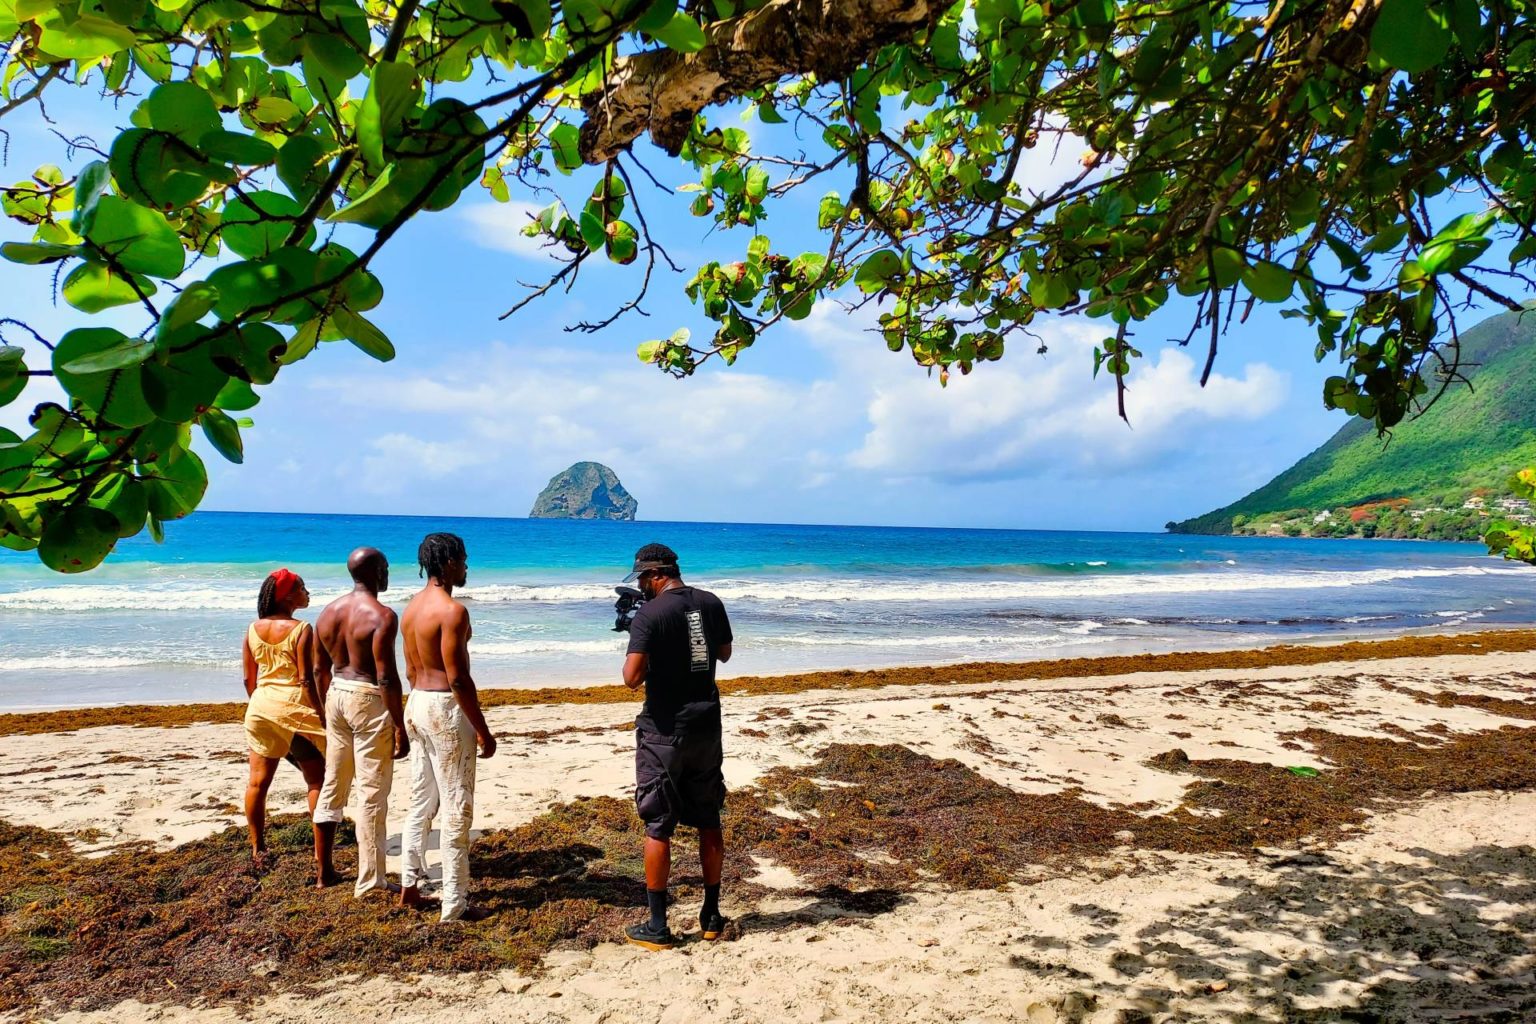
(445,725)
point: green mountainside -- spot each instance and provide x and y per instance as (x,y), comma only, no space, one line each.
(1446,470)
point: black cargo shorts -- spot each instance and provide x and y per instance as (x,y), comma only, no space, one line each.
(678,781)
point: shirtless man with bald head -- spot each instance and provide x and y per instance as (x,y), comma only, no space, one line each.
(364,717)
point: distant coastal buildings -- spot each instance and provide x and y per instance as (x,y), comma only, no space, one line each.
(1448,517)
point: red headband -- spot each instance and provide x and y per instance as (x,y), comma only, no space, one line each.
(285,583)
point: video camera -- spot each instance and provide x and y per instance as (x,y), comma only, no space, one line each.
(625,607)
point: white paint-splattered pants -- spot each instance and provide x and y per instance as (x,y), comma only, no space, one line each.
(359,743)
(442,777)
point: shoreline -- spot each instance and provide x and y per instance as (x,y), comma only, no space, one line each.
(1513,639)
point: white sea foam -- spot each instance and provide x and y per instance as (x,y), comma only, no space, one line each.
(86,597)
(991,640)
(77,661)
(515,647)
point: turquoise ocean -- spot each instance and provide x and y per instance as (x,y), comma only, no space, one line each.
(163,623)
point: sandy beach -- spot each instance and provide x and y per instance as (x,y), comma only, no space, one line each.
(936,847)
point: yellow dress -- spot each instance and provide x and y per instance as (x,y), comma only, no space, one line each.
(280,706)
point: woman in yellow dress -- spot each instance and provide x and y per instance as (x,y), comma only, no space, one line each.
(281,720)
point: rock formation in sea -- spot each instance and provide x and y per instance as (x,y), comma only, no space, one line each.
(588,490)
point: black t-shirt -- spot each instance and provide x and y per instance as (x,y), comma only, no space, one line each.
(681,632)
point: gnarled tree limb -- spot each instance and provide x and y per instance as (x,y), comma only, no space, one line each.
(660,91)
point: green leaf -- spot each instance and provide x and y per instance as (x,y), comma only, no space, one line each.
(92,288)
(273,110)
(1457,244)
(175,485)
(1445,256)
(157,169)
(1408,34)
(681,33)
(78,540)
(128,352)
(93,180)
(880,270)
(237,148)
(362,333)
(115,392)
(155,60)
(391,95)
(656,15)
(592,231)
(85,38)
(179,390)
(223,435)
(137,237)
(126,500)
(623,242)
(1229,265)
(34,253)
(236,396)
(1269,281)
(258,224)
(564,140)
(194,303)
(183,109)
(13,376)
(303,341)
(252,352)
(1303,771)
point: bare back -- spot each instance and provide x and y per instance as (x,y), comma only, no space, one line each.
(436,631)
(358,633)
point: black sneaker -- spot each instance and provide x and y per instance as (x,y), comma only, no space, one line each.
(644,936)
(713,926)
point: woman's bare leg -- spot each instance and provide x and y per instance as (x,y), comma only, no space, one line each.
(262,771)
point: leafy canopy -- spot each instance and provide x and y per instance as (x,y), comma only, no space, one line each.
(1299,153)
(1512,540)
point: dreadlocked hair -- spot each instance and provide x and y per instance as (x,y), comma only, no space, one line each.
(437,550)
(266,600)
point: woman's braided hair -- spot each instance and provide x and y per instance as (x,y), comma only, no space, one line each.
(266,600)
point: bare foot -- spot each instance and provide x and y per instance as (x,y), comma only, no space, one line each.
(262,860)
(326,878)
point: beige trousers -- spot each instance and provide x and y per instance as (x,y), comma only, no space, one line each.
(359,744)
(443,752)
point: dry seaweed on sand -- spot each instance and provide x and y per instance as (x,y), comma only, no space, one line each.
(859,827)
(1489,642)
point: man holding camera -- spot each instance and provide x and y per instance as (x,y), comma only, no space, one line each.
(676,638)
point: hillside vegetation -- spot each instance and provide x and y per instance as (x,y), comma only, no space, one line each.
(1442,475)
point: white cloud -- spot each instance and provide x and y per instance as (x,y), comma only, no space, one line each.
(401,460)
(499,226)
(525,413)
(1027,415)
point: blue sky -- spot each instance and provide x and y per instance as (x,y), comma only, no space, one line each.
(818,423)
